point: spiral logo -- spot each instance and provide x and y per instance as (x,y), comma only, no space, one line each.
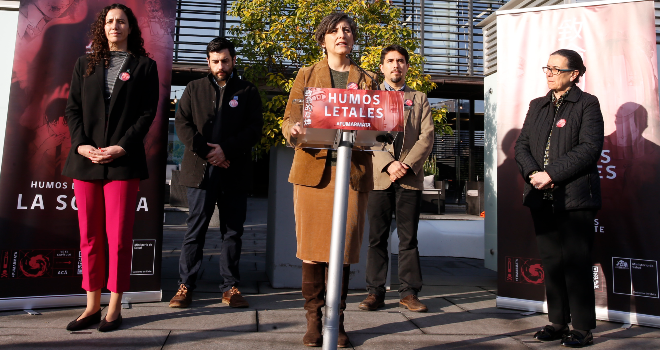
(34,264)
(533,272)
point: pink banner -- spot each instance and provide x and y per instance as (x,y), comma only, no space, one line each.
(618,45)
(350,109)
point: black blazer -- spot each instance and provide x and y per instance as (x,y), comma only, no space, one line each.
(574,150)
(132,109)
(240,130)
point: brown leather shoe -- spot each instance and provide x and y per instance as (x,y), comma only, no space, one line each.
(413,304)
(233,298)
(183,297)
(372,302)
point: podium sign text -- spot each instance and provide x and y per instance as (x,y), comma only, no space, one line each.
(353,109)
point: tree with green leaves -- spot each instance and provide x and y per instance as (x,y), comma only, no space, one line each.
(276,39)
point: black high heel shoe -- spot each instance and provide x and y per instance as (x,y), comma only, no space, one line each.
(106,326)
(83,323)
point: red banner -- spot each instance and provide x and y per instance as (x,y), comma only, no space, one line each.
(353,109)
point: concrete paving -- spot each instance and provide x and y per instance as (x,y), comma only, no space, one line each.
(460,294)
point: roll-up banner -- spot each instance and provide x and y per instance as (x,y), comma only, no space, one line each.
(617,41)
(40,263)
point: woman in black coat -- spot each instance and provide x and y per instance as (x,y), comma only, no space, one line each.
(557,151)
(112,102)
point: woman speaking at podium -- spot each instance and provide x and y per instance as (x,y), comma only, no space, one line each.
(313,175)
(112,103)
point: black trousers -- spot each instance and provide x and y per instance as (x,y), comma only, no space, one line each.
(232,206)
(382,204)
(565,240)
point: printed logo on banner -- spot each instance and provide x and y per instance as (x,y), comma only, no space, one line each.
(524,270)
(65,264)
(35,263)
(635,277)
(599,278)
(4,269)
(621,265)
(39,263)
(79,270)
(144,257)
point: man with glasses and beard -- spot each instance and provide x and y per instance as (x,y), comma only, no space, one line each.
(219,119)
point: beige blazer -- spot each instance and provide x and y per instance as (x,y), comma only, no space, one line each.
(308,164)
(418,138)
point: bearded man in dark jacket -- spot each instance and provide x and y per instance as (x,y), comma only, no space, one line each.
(219,119)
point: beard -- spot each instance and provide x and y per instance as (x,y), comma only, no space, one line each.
(225,77)
(396,80)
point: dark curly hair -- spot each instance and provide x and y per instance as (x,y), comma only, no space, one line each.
(100,51)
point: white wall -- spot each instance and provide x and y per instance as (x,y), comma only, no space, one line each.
(8,25)
(490,171)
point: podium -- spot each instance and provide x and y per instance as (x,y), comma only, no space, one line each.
(345,120)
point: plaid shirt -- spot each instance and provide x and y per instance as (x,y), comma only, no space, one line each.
(557,102)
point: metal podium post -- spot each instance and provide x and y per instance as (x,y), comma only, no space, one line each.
(338,238)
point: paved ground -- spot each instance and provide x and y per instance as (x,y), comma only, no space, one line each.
(460,294)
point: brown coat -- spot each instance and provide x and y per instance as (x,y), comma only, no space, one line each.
(418,138)
(308,164)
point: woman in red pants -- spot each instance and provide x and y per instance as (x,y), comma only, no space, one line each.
(112,103)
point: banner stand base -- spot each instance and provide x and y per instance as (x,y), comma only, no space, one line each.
(48,301)
(602,314)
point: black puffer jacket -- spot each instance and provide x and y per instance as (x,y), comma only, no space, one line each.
(574,150)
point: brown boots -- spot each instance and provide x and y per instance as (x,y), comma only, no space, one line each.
(342,339)
(313,290)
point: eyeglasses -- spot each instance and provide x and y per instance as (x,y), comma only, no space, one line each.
(555,71)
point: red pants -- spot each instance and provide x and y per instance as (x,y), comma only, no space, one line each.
(106,209)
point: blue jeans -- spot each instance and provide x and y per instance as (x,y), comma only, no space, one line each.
(232,206)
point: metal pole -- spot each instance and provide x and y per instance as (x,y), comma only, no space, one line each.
(421,30)
(470,40)
(177,31)
(471,160)
(457,106)
(338,238)
(223,17)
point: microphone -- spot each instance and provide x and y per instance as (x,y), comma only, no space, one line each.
(362,70)
(385,138)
